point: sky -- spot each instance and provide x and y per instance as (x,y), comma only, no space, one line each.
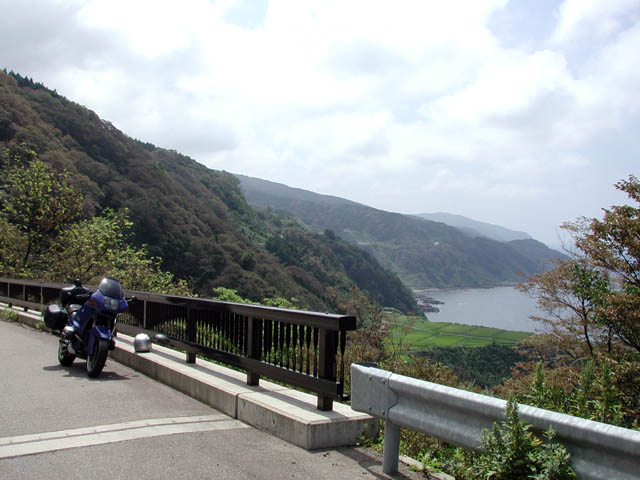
(521,113)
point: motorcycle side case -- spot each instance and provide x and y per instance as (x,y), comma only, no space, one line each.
(55,317)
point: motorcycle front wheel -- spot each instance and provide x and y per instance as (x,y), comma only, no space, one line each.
(64,357)
(97,358)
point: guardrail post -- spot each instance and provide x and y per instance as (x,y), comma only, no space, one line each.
(328,344)
(254,347)
(391,447)
(191,335)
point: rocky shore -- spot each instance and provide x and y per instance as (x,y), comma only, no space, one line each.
(427,302)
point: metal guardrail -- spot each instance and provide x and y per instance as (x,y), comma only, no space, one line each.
(598,450)
(302,349)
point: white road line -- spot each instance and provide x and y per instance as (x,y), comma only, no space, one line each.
(118,432)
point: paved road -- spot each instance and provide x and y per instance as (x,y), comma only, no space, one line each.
(55,422)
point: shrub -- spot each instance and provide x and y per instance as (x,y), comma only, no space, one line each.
(511,451)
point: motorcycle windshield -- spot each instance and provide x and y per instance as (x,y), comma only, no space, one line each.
(110,287)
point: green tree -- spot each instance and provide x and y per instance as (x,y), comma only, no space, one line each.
(85,250)
(597,293)
(135,269)
(99,247)
(229,295)
(10,249)
(613,245)
(39,203)
(569,294)
(40,235)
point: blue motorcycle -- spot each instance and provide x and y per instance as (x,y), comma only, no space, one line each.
(86,322)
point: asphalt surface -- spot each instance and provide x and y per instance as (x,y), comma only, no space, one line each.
(102,428)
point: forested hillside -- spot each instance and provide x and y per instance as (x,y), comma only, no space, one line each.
(325,259)
(194,218)
(423,253)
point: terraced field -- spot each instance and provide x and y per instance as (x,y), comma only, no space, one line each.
(418,333)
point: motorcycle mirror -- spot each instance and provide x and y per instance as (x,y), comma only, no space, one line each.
(131,300)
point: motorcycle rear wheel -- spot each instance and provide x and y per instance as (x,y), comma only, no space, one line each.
(64,357)
(97,358)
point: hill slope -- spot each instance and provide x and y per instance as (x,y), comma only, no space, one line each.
(423,253)
(196,219)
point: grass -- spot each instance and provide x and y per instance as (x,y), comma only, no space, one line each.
(8,315)
(512,336)
(456,328)
(418,333)
(447,340)
(475,342)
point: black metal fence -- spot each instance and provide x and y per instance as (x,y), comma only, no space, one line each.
(302,349)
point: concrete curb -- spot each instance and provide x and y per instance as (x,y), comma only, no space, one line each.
(285,413)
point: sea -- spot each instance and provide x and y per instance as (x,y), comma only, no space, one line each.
(499,307)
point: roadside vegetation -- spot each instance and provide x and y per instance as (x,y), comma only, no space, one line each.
(588,365)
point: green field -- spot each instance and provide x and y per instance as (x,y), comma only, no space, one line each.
(417,333)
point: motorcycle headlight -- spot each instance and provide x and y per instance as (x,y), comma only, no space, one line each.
(111,303)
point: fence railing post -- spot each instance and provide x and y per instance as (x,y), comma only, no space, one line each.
(254,347)
(191,335)
(327,366)
(144,315)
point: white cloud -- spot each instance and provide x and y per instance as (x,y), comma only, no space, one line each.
(612,75)
(390,103)
(150,28)
(580,19)
(505,85)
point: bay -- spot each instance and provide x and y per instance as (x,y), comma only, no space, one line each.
(499,307)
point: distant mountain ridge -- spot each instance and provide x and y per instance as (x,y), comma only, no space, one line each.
(476,228)
(265,190)
(423,253)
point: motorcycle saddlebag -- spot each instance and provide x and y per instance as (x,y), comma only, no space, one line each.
(55,317)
